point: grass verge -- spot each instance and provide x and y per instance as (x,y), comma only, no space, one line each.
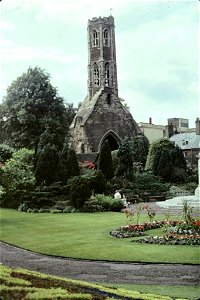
(187,292)
(86,236)
(23,284)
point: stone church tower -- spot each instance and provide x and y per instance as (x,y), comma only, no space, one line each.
(101,115)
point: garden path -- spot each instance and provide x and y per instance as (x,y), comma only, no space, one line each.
(101,271)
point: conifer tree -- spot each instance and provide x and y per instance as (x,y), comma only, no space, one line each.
(72,164)
(125,155)
(105,161)
(140,147)
(48,162)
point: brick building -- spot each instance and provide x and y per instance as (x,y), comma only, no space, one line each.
(101,115)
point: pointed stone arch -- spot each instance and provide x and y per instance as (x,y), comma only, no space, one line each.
(113,140)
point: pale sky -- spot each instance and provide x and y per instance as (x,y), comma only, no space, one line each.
(156,44)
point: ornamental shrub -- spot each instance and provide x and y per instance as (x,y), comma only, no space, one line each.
(79,191)
(109,203)
(150,182)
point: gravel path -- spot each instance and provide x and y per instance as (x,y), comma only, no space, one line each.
(101,272)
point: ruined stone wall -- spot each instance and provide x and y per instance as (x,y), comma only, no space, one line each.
(106,117)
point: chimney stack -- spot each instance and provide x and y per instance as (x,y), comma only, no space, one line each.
(197,123)
(150,120)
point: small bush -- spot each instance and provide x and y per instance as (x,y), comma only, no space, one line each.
(92,206)
(190,186)
(148,181)
(109,203)
(176,192)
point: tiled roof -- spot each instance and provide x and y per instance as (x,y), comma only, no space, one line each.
(186,141)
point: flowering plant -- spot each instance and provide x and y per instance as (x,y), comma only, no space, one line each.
(150,212)
(128,231)
(88,165)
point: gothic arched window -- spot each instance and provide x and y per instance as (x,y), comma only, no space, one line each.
(96,75)
(105,37)
(95,38)
(107,74)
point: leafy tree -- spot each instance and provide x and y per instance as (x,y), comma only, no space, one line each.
(17,177)
(166,160)
(155,150)
(140,150)
(31,105)
(3,133)
(105,161)
(125,155)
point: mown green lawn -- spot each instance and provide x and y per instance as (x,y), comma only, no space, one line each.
(86,236)
(186,292)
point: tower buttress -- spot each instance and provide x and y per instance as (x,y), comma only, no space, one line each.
(102,67)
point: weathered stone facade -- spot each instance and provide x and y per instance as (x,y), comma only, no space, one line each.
(101,115)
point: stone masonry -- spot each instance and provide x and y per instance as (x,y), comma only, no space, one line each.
(101,115)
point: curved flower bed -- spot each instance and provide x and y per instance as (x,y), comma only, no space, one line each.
(133,230)
(171,239)
(128,231)
(178,232)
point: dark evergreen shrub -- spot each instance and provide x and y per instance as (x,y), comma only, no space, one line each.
(79,191)
(178,175)
(6,152)
(150,182)
(97,182)
(105,161)
(72,164)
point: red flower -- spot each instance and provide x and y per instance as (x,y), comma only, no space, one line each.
(196,223)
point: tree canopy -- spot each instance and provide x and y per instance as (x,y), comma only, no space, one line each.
(31,105)
(140,145)
(166,160)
